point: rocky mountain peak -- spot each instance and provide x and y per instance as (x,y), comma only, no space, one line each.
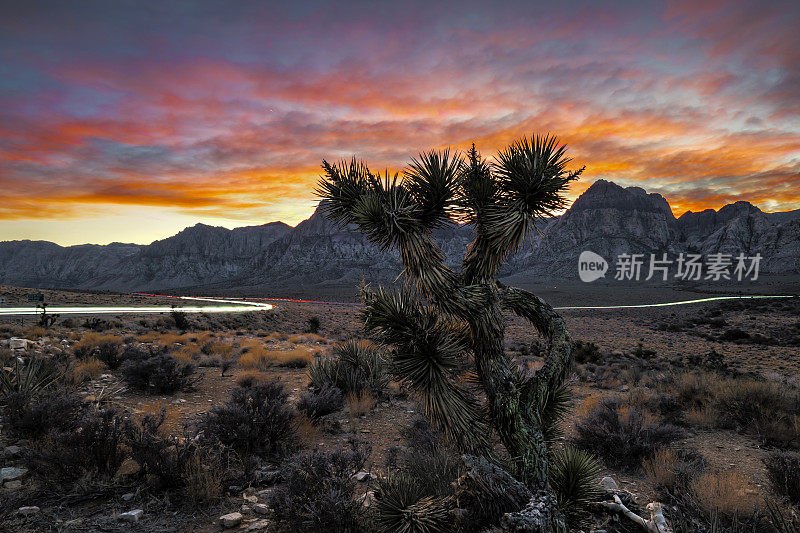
(608,195)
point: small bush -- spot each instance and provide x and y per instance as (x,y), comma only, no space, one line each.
(765,408)
(783,470)
(110,353)
(318,490)
(586,352)
(261,359)
(622,436)
(85,370)
(428,460)
(725,492)
(180,319)
(92,446)
(160,374)
(313,324)
(321,402)
(256,420)
(355,367)
(250,378)
(33,416)
(573,476)
(360,404)
(173,463)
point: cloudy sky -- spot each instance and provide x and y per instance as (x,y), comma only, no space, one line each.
(127,121)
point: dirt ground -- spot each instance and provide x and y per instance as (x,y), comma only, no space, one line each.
(672,333)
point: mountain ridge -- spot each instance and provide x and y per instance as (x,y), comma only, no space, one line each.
(607,218)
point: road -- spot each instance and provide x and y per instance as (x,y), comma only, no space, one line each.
(248,305)
(239,307)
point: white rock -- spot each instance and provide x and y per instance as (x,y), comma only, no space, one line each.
(128,496)
(608,483)
(231,520)
(251,499)
(260,508)
(131,516)
(364,476)
(12,473)
(18,344)
(28,510)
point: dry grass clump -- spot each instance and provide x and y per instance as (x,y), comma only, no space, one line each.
(727,492)
(307,432)
(90,340)
(85,370)
(223,350)
(35,332)
(360,404)
(662,468)
(275,336)
(171,415)
(260,358)
(308,338)
(186,354)
(203,475)
(250,378)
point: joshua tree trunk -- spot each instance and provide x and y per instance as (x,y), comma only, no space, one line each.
(441,319)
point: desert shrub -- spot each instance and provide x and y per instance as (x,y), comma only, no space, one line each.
(92,446)
(321,402)
(256,420)
(89,342)
(728,493)
(262,359)
(642,353)
(765,408)
(109,353)
(355,367)
(586,352)
(733,335)
(573,476)
(427,459)
(31,416)
(159,374)
(401,504)
(313,324)
(140,352)
(622,436)
(250,378)
(662,468)
(180,319)
(783,470)
(319,488)
(85,370)
(359,404)
(170,462)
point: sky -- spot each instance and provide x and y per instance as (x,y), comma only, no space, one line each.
(128,121)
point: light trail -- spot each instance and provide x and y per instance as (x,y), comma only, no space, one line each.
(245,305)
(239,307)
(670,304)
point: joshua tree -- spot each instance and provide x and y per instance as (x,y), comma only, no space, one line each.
(443,320)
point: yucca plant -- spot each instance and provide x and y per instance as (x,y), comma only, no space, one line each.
(574,478)
(443,319)
(402,506)
(355,367)
(29,377)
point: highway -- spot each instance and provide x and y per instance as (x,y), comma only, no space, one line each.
(238,307)
(248,305)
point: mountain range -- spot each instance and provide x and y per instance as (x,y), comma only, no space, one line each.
(607,219)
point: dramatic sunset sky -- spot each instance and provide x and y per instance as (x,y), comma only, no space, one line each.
(127,121)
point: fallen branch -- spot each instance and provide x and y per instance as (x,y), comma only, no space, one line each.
(657,522)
